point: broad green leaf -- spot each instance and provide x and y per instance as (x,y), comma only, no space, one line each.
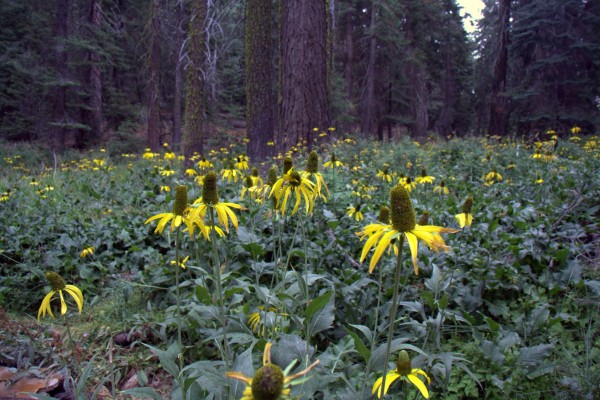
(317,304)
(359,345)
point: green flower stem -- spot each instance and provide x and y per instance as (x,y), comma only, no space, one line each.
(220,298)
(178,294)
(374,334)
(393,310)
(68,328)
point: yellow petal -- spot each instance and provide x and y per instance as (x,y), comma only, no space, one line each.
(222,217)
(421,372)
(414,249)
(389,379)
(76,290)
(45,306)
(381,247)
(75,295)
(419,384)
(157,216)
(239,377)
(63,305)
(370,242)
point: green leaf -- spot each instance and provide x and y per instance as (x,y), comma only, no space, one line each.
(167,358)
(317,304)
(322,315)
(359,345)
(203,295)
(443,302)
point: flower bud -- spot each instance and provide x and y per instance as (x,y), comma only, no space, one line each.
(267,383)
(403,214)
(272,179)
(384,215)
(181,199)
(312,165)
(288,164)
(56,281)
(467,205)
(210,194)
(403,364)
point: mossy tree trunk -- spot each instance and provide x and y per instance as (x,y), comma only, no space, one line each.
(153,93)
(59,113)
(260,93)
(195,102)
(304,95)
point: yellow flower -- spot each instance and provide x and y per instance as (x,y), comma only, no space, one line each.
(293,182)
(58,285)
(355,212)
(575,130)
(441,189)
(403,371)
(181,262)
(465,218)
(88,251)
(170,155)
(165,188)
(424,178)
(312,171)
(230,173)
(493,176)
(384,174)
(210,199)
(167,171)
(242,162)
(258,320)
(177,216)
(270,381)
(382,236)
(407,183)
(148,155)
(190,172)
(204,163)
(333,162)
(5,195)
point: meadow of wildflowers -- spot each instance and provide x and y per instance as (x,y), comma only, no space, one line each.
(458,269)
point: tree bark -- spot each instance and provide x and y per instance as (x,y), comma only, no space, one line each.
(499,102)
(153,94)
(417,81)
(368,123)
(304,97)
(260,92)
(59,115)
(195,104)
(95,78)
(178,79)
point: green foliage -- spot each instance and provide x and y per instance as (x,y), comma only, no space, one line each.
(510,311)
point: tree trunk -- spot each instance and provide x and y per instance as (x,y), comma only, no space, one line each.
(260,94)
(368,122)
(59,117)
(153,99)
(417,81)
(195,117)
(444,123)
(95,79)
(499,102)
(349,50)
(304,98)
(178,79)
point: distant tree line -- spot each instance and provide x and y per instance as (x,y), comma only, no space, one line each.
(75,73)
